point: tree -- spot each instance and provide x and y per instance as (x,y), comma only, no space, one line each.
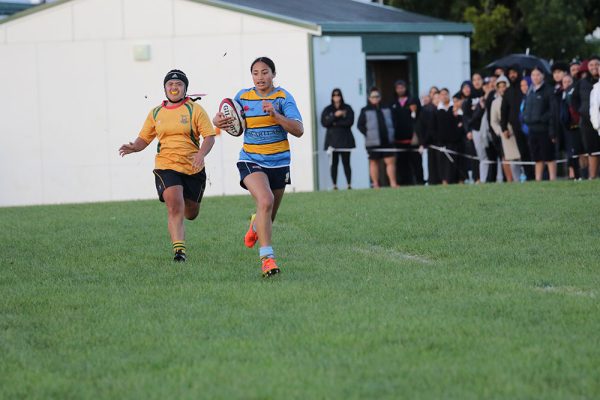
(490,24)
(556,27)
(553,29)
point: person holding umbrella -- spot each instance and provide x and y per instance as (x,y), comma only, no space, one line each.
(522,61)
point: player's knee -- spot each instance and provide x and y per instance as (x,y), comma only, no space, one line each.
(175,208)
(265,202)
(191,215)
(191,210)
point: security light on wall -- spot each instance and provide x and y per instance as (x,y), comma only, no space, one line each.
(438,43)
(324,43)
(141,52)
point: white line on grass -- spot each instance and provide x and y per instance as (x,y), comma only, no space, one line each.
(390,254)
(571,290)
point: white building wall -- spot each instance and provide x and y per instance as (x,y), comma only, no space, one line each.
(77,93)
(340,62)
(443,61)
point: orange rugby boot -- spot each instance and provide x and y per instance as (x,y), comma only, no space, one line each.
(251,236)
(269,267)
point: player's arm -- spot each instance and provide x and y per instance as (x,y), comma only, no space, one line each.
(292,126)
(206,130)
(146,135)
(198,160)
(133,147)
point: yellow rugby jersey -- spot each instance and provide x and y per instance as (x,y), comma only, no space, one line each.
(178,129)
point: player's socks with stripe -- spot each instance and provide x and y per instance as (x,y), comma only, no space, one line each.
(251,236)
(267,258)
(179,250)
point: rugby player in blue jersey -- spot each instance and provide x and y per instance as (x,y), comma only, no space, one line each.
(264,163)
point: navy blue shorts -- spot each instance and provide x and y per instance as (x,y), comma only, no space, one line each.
(278,177)
(193,185)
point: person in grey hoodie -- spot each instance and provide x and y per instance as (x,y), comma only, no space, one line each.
(376,123)
(537,114)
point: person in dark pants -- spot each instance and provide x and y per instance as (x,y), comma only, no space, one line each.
(427,132)
(509,115)
(405,110)
(581,101)
(537,114)
(450,132)
(559,71)
(338,118)
(569,119)
(468,110)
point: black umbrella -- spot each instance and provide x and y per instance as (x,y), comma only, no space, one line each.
(521,61)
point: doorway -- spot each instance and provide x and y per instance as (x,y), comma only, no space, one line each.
(384,71)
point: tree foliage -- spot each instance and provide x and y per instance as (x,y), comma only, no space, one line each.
(553,29)
(489,26)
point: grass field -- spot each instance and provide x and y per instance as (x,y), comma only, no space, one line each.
(463,292)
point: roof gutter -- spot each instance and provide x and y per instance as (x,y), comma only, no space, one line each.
(398,27)
(32,10)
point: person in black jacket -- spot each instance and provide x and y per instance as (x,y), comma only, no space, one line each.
(405,110)
(559,70)
(570,124)
(468,111)
(537,114)
(427,132)
(509,114)
(450,132)
(581,101)
(338,118)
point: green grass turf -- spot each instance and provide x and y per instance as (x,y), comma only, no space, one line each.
(462,292)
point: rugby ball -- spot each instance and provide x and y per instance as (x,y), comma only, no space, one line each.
(231,108)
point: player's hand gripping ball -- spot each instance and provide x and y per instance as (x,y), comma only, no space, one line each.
(232,109)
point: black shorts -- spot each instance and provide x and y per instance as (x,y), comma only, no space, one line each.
(541,147)
(375,154)
(193,185)
(589,136)
(278,177)
(573,144)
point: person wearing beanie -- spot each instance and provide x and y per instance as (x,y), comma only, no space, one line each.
(185,136)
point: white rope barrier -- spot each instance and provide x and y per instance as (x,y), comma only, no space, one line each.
(447,152)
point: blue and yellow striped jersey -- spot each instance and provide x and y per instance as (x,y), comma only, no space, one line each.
(265,142)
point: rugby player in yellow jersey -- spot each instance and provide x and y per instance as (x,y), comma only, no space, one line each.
(178,123)
(264,164)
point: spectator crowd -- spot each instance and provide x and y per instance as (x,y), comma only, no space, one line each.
(514,125)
